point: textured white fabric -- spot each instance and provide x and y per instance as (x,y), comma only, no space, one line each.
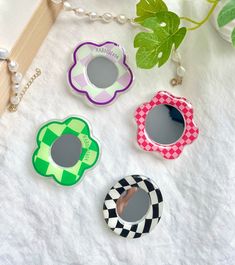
(44,223)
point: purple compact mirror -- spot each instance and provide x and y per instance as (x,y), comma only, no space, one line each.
(100,72)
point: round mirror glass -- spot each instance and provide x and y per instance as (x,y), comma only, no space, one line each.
(133,204)
(164,124)
(102,72)
(66,150)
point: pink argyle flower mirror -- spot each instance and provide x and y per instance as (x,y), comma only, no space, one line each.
(100,72)
(166,125)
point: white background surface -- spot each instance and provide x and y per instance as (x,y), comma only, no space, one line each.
(44,223)
(14,16)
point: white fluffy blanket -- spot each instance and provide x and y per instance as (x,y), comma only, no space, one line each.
(44,223)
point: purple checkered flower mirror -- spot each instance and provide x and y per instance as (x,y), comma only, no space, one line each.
(100,72)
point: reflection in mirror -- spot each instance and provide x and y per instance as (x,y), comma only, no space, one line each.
(133,204)
(102,72)
(164,124)
(66,150)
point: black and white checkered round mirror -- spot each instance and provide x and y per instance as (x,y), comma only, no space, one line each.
(133,206)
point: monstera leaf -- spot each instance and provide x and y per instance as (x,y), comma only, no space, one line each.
(154,48)
(149,8)
(226,15)
(233,37)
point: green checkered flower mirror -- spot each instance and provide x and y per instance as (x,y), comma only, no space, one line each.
(65,150)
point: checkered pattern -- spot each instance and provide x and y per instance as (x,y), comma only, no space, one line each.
(153,216)
(190,133)
(48,134)
(79,81)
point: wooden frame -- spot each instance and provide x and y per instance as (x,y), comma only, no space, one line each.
(27,45)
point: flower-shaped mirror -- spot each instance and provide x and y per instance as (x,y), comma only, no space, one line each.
(65,150)
(100,72)
(165,124)
(133,206)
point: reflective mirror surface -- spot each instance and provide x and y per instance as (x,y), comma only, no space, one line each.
(164,124)
(66,150)
(133,204)
(102,72)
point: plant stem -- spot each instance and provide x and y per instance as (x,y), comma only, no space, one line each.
(199,24)
(212,1)
(190,20)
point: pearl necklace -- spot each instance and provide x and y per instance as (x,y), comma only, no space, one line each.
(16,78)
(93,16)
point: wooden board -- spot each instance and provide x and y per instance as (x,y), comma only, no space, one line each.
(27,46)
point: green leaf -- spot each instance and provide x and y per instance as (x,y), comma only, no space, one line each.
(146,58)
(149,8)
(233,37)
(154,48)
(227,14)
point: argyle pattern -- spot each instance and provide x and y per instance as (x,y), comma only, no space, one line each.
(79,80)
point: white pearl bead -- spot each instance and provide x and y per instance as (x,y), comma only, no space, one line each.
(13,66)
(16,78)
(15,100)
(4,54)
(56,1)
(133,23)
(67,6)
(93,16)
(79,11)
(16,88)
(176,57)
(181,71)
(107,17)
(122,19)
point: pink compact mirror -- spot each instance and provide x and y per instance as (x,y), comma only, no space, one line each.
(166,125)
